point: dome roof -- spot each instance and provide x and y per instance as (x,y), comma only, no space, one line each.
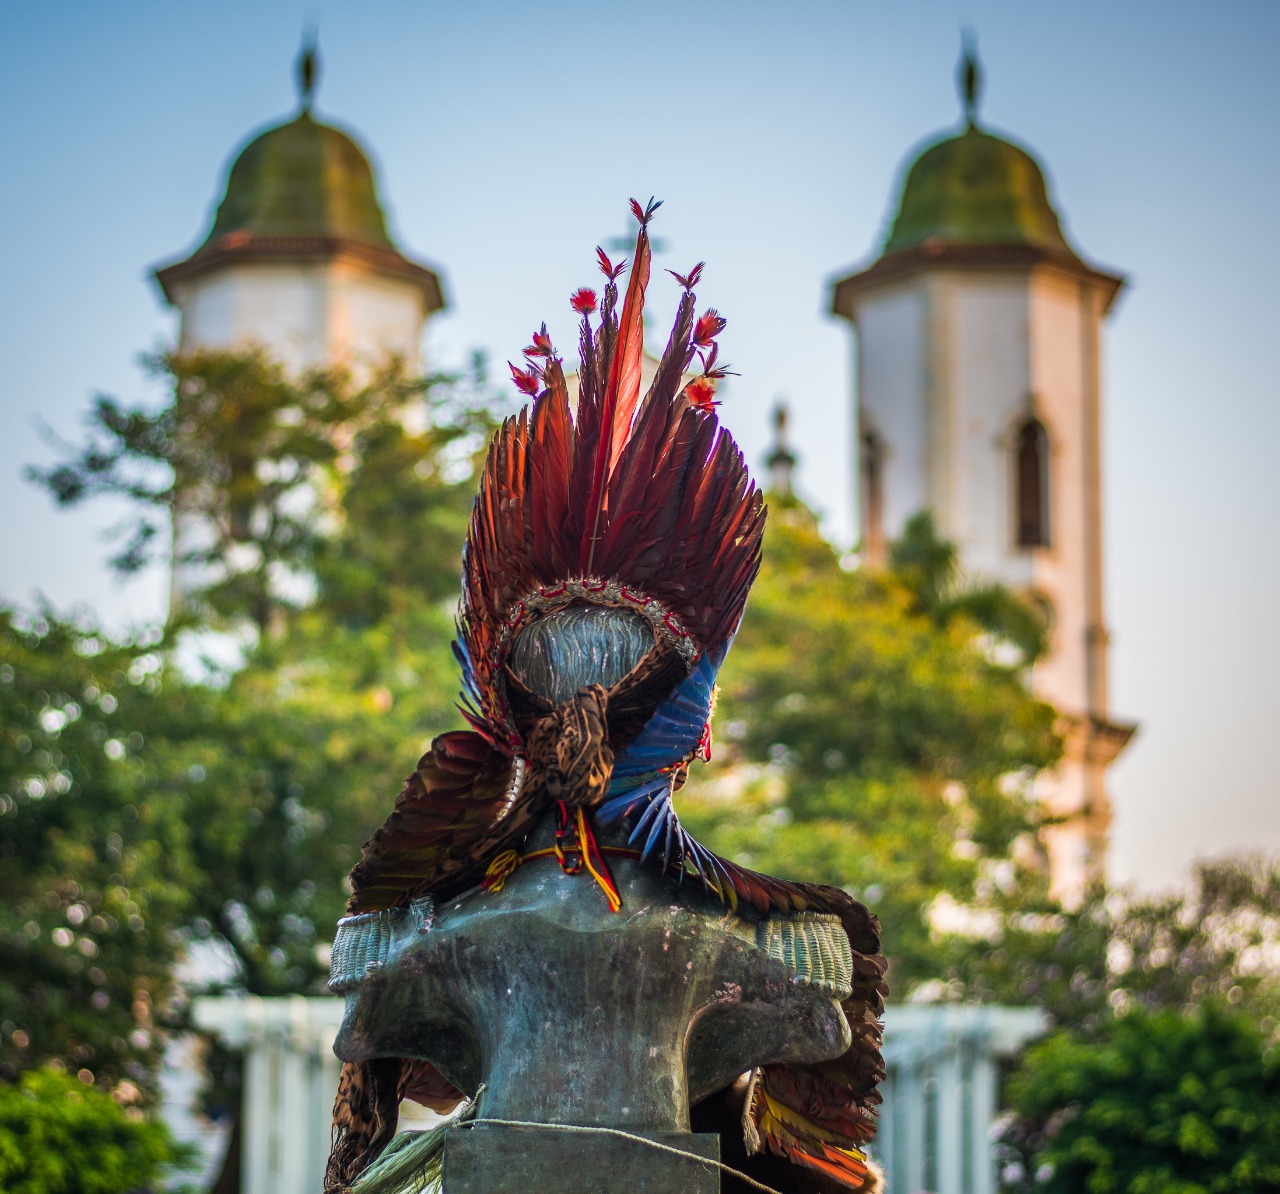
(302,178)
(972,200)
(975,189)
(300,191)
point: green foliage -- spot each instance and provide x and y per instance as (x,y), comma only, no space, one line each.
(143,812)
(257,467)
(1168,1103)
(58,1136)
(929,568)
(94,859)
(286,770)
(877,740)
(1115,952)
(405,502)
(1181,988)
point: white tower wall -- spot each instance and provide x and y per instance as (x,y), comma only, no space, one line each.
(305,314)
(951,364)
(893,379)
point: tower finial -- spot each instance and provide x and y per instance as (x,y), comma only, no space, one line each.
(781,462)
(308,68)
(969,75)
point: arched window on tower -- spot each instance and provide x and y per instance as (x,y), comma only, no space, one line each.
(1031,475)
(871,471)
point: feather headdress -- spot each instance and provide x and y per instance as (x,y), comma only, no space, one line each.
(641,504)
(640,512)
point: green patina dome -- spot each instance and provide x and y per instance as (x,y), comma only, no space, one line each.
(975,189)
(302,179)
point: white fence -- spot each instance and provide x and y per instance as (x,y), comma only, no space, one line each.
(940,1095)
(290,1076)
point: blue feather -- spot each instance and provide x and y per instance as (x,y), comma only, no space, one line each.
(676,726)
(652,821)
(617,806)
(674,830)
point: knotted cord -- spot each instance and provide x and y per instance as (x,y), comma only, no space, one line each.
(508,862)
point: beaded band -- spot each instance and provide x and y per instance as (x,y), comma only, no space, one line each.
(814,946)
(363,942)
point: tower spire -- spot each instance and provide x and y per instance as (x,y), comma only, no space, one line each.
(781,462)
(969,76)
(308,68)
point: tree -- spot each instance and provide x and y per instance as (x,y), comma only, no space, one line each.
(404,506)
(94,861)
(1169,1103)
(1122,976)
(239,479)
(225,465)
(270,773)
(58,1136)
(278,768)
(288,768)
(929,568)
(1220,940)
(871,743)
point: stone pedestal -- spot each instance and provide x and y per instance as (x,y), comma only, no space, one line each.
(491,1159)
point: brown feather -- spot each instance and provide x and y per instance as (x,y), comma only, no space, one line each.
(444,828)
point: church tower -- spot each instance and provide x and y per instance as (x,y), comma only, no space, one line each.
(298,263)
(299,260)
(979,395)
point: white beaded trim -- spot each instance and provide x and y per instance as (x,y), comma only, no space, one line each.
(595,591)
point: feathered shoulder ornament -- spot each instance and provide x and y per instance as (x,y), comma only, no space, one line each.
(608,559)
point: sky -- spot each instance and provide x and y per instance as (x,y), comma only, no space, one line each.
(507,139)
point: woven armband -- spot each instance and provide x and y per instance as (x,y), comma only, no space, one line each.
(813,946)
(363,942)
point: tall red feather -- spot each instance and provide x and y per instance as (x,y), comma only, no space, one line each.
(629,354)
(622,390)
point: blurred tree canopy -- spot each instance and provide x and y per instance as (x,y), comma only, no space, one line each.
(58,1136)
(319,478)
(1085,966)
(1168,1102)
(1123,978)
(95,861)
(148,805)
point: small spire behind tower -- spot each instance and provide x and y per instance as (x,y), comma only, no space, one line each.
(781,462)
(308,68)
(969,76)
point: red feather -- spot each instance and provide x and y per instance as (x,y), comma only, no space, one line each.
(607,267)
(710,324)
(701,392)
(689,280)
(528,381)
(541,346)
(622,392)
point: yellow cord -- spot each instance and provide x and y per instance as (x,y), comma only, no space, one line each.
(615,901)
(506,864)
